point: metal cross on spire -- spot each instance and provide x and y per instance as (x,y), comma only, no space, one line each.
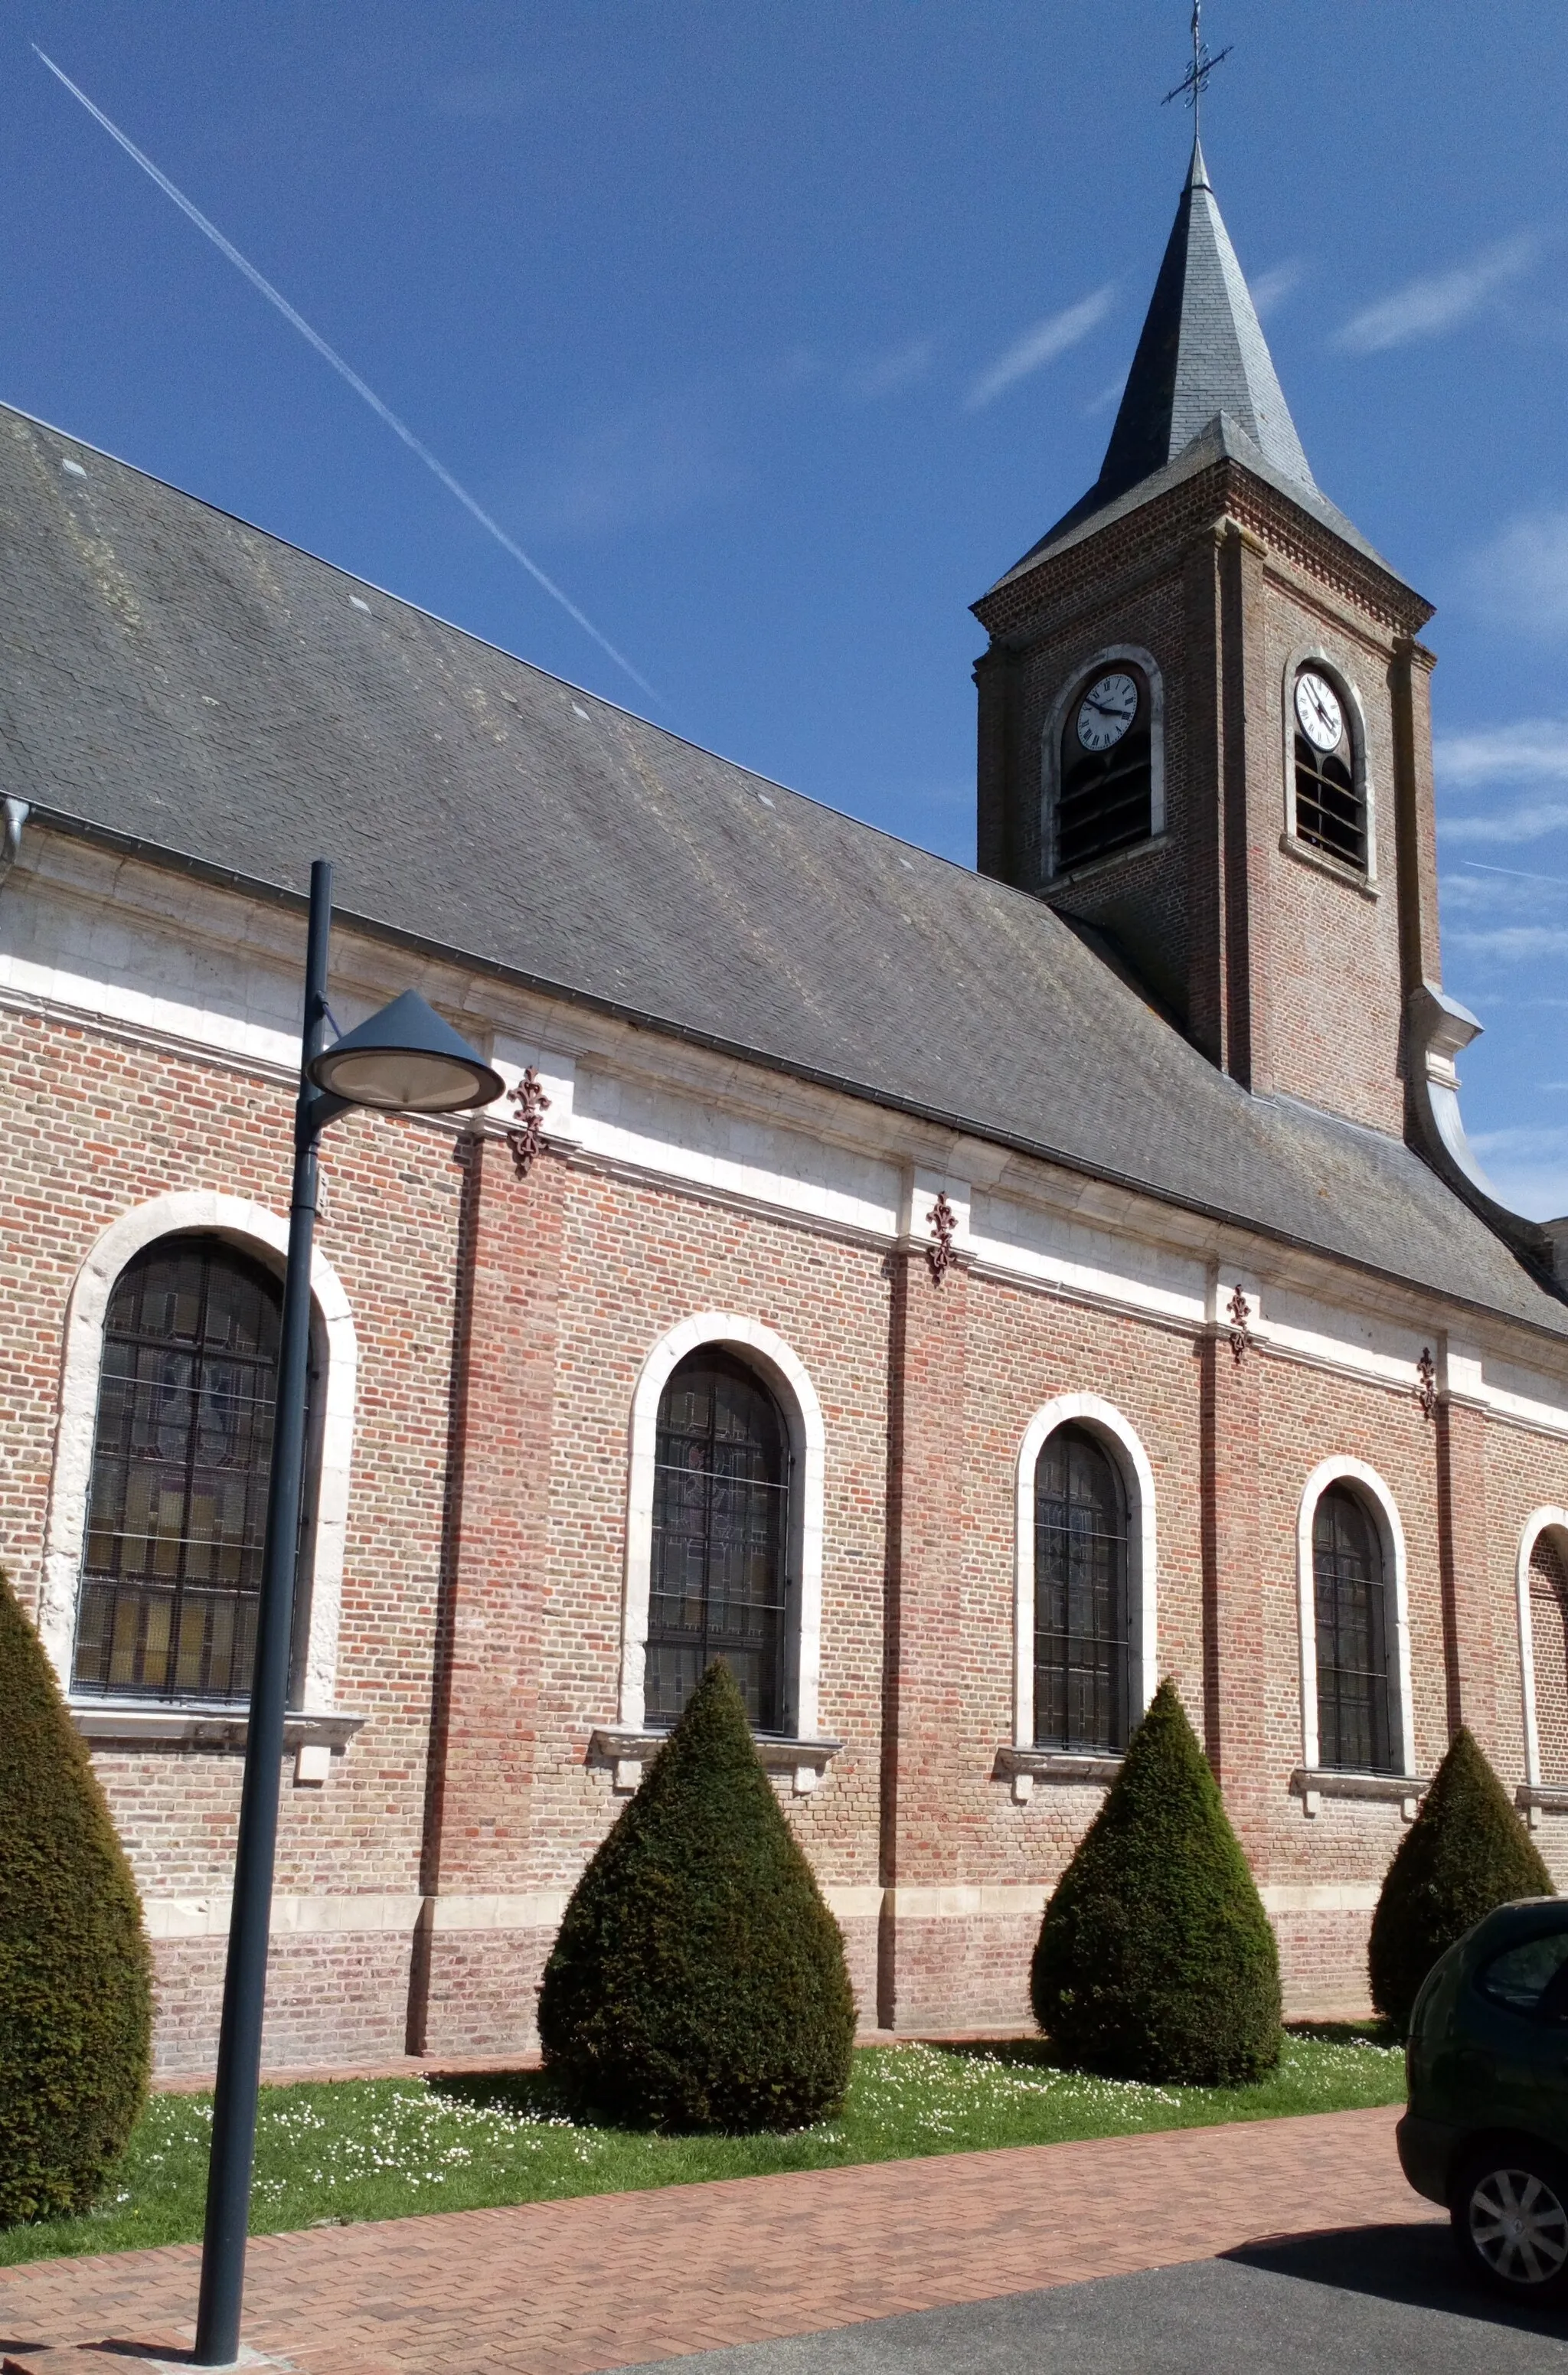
(1195,82)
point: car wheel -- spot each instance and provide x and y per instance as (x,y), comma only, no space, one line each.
(1510,2213)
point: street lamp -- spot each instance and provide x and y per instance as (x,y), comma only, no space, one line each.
(404,1059)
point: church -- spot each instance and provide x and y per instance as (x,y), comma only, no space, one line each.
(957,1299)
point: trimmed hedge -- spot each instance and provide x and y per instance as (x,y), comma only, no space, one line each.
(1466,1853)
(698,1981)
(75,1979)
(1155,1958)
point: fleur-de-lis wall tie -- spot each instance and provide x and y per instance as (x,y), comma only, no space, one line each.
(944,1225)
(526,1135)
(1241,1332)
(1426,1382)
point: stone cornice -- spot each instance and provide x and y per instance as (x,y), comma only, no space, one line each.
(1170,522)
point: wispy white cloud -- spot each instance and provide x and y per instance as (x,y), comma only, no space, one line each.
(1529,756)
(1530,823)
(1515,943)
(1531,750)
(1528,1167)
(1041,346)
(496,97)
(889,374)
(652,464)
(1271,288)
(1109,394)
(1520,579)
(1436,301)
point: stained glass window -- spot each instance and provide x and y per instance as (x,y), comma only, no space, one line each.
(721,1537)
(177,1512)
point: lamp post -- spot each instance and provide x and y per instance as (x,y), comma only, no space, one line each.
(404,1059)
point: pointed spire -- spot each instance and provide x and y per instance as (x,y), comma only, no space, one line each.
(1202,352)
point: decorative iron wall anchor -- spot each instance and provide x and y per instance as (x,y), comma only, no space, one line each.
(944,1223)
(1240,1334)
(527,1134)
(1426,1382)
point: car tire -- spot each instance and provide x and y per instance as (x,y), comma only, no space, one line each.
(1509,2208)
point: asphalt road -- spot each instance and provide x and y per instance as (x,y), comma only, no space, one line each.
(1380,2300)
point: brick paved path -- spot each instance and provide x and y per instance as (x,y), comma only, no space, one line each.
(612,2280)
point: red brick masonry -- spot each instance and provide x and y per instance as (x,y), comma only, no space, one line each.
(609,2280)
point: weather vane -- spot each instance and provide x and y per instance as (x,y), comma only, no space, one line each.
(1195,82)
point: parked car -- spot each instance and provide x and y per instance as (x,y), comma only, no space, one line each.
(1486,2133)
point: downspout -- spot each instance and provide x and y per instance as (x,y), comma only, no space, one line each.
(1437,1028)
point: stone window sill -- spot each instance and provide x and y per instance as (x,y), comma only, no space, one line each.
(1113,858)
(1312,1784)
(1025,1766)
(1321,863)
(625,1750)
(1535,1798)
(313,1737)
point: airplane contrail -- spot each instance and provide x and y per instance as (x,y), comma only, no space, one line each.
(344,371)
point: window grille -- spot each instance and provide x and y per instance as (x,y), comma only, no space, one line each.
(720,1545)
(1105,800)
(1081,1611)
(1358,1730)
(1549,1626)
(177,1510)
(1331,807)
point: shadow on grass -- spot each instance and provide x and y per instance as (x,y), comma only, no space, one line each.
(526,2094)
(1415,2265)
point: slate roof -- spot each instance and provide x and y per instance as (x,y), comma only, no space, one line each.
(1202,373)
(172,676)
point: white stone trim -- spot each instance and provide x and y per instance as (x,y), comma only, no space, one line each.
(1121,1440)
(1549,1519)
(80,928)
(790,1380)
(1341,1470)
(962,1901)
(1320,1896)
(1051,748)
(177,1917)
(255,1229)
(1313,655)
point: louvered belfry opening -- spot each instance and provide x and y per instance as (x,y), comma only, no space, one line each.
(1081,1600)
(1358,1728)
(1105,801)
(177,1511)
(718,1586)
(1330,808)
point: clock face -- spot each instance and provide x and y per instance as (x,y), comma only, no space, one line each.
(1317,708)
(1106,711)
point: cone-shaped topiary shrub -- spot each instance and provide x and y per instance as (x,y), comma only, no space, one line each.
(75,1982)
(1156,1959)
(697,1980)
(1466,1853)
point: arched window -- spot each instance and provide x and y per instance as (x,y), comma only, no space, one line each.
(1330,799)
(1105,796)
(1549,1641)
(718,1574)
(1358,1721)
(1081,1601)
(177,1506)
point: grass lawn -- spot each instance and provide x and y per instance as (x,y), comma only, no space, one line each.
(384,2148)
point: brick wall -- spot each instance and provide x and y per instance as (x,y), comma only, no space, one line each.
(1288,974)
(504,1323)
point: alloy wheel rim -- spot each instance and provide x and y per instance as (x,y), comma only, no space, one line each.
(1519,2226)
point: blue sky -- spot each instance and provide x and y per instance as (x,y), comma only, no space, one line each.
(774,336)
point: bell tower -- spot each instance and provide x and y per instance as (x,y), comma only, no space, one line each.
(1204,733)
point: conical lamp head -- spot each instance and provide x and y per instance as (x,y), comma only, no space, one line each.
(406,1059)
